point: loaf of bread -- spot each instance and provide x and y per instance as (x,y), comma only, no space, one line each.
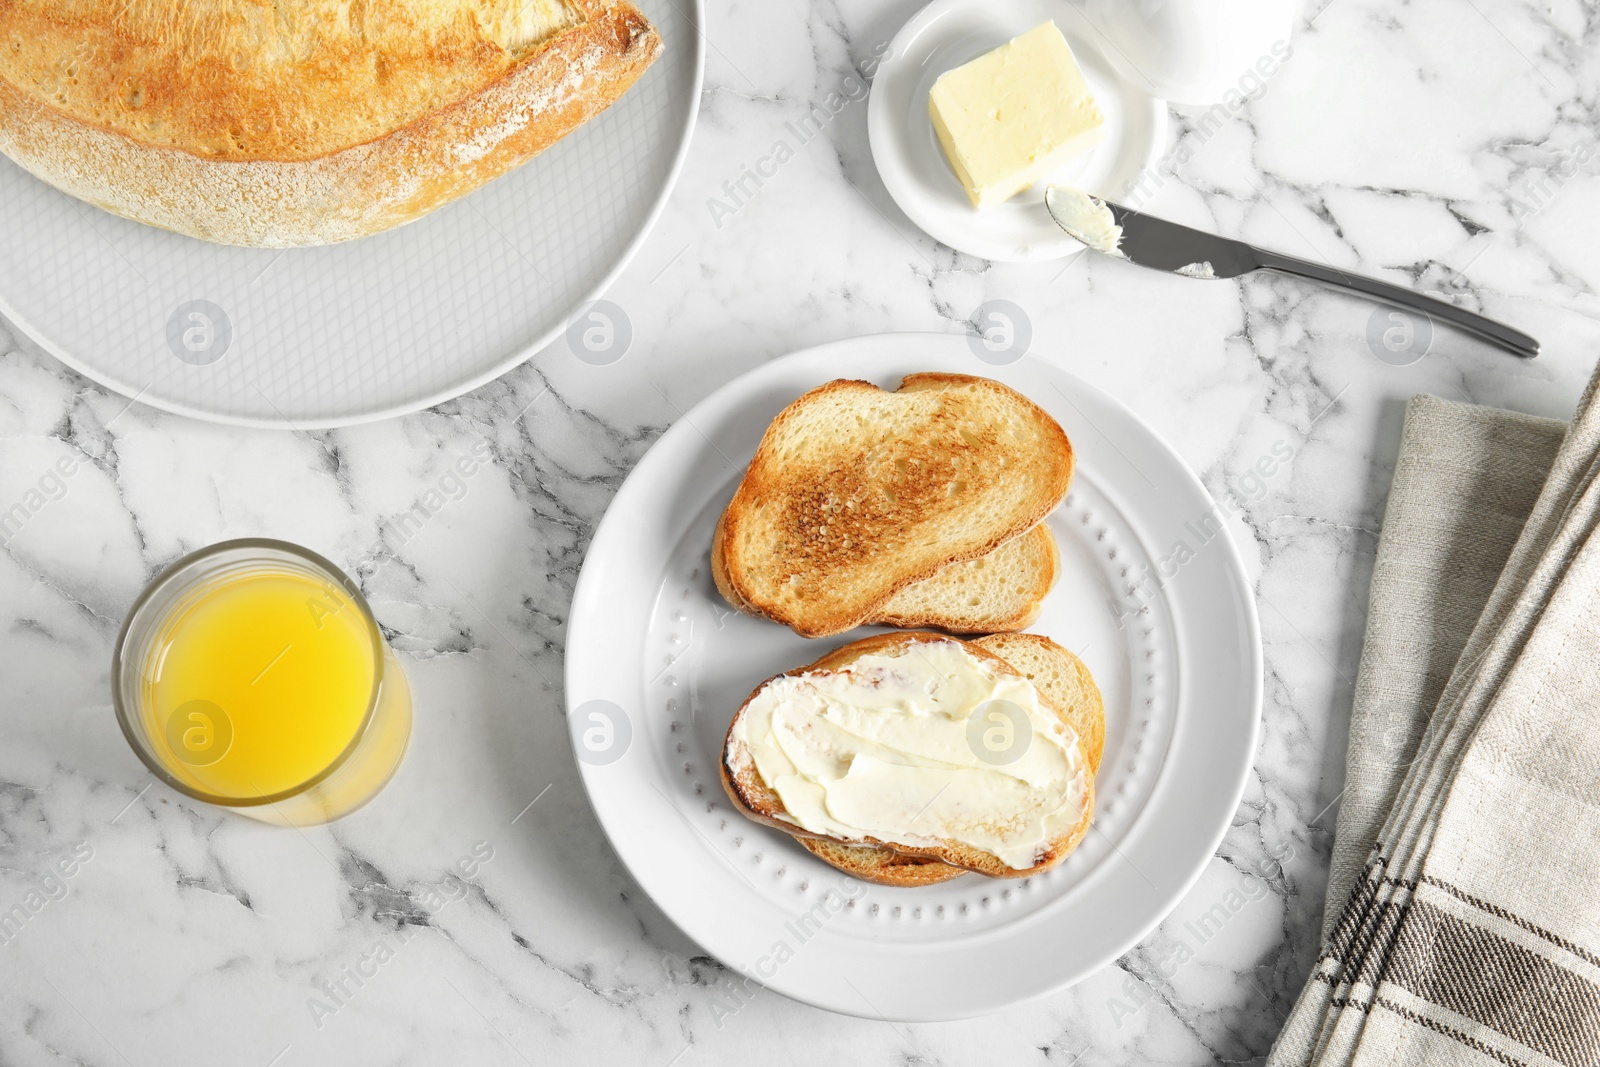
(299,122)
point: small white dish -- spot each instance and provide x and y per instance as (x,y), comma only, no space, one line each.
(948,33)
(1152,595)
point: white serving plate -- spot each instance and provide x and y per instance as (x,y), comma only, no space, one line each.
(347,333)
(948,33)
(657,663)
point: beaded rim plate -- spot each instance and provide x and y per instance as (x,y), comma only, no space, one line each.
(1152,596)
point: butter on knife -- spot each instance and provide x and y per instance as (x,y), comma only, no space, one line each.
(1014,115)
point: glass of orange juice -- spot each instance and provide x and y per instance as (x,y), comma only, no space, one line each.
(252,675)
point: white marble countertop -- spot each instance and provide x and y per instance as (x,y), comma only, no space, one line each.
(1443,144)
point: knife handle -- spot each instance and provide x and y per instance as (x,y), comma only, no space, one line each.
(1514,341)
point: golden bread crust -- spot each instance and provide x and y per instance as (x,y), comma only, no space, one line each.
(250,80)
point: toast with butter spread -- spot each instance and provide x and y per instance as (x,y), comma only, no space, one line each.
(856,493)
(1063,680)
(934,747)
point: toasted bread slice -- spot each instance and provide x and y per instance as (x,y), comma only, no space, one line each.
(752,795)
(996,593)
(1063,680)
(855,493)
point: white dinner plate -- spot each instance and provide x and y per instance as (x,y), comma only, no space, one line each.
(346,333)
(1152,596)
(946,34)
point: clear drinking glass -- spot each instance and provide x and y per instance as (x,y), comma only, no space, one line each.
(295,737)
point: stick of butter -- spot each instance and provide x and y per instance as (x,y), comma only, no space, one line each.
(1013,115)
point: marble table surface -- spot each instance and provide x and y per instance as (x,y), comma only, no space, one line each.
(1443,144)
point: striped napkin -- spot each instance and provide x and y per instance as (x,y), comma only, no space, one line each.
(1463,914)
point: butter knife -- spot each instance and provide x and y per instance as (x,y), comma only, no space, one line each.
(1120,231)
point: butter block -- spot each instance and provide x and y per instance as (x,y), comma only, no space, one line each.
(1014,115)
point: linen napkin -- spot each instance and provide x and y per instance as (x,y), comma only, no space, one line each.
(1463,920)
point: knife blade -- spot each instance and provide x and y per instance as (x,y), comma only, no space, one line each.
(1116,230)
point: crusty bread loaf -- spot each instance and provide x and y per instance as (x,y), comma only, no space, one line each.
(1064,682)
(300,122)
(756,799)
(996,593)
(855,493)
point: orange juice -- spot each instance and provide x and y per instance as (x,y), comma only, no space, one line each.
(260,684)
(251,674)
